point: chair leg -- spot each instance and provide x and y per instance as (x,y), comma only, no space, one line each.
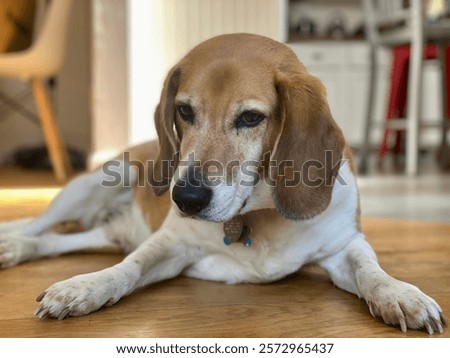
(365,147)
(444,150)
(55,145)
(414,107)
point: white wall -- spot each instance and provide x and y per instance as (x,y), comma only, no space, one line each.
(147,66)
(109,88)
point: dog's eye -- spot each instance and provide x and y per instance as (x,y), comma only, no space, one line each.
(249,119)
(186,113)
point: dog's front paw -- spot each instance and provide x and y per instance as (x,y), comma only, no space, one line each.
(77,296)
(15,249)
(401,304)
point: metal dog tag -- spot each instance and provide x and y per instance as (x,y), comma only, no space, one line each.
(233,230)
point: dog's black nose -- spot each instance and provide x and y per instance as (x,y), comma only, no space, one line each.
(191,195)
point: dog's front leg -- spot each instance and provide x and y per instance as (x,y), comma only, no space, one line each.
(160,257)
(355,269)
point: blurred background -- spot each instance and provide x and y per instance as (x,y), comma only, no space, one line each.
(90,80)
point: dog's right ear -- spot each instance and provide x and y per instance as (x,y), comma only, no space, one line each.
(169,145)
(310,141)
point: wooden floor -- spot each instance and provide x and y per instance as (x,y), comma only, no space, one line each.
(303,305)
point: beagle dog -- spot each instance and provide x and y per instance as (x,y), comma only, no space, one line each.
(251,180)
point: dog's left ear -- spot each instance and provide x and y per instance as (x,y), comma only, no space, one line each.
(308,150)
(167,162)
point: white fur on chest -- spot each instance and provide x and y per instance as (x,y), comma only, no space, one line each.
(279,246)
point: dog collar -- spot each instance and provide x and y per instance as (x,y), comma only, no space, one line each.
(236,230)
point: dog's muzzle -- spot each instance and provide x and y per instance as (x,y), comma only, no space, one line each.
(191,194)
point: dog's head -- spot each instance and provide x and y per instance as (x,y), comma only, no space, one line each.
(241,121)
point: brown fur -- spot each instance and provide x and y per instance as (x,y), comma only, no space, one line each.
(154,208)
(308,132)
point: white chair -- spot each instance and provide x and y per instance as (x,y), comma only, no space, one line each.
(39,62)
(391,23)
